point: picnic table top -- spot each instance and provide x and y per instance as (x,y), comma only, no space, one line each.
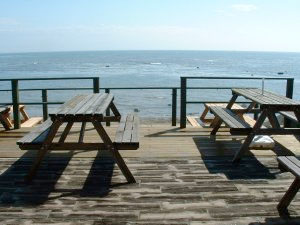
(85,105)
(267,98)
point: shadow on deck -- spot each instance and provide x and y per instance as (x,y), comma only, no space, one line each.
(183,177)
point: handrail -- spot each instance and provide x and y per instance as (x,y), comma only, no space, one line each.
(96,88)
(184,88)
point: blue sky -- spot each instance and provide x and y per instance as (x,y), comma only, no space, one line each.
(69,25)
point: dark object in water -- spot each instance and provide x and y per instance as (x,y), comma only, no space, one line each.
(107,66)
(136,110)
(280,73)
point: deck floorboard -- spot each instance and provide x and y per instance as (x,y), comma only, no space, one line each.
(183,177)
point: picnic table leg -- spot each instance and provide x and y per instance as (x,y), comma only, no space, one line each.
(204,113)
(115,110)
(24,113)
(216,123)
(297,114)
(5,122)
(42,152)
(116,155)
(289,195)
(65,132)
(273,119)
(82,131)
(248,140)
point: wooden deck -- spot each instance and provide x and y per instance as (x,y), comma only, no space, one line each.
(183,177)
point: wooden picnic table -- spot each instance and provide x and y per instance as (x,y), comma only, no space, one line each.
(84,108)
(269,104)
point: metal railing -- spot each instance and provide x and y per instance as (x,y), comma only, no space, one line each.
(184,88)
(96,88)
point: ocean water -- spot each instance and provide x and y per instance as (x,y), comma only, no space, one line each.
(146,69)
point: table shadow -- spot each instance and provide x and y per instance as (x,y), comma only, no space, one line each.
(15,192)
(98,181)
(282,220)
(221,162)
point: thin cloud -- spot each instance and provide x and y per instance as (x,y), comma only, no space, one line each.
(8,21)
(244,7)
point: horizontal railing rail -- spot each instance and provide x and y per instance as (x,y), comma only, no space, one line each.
(45,103)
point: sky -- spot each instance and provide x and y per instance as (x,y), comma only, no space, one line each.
(83,25)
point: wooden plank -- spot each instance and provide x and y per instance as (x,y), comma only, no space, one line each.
(245,93)
(294,160)
(268,97)
(229,118)
(68,105)
(290,165)
(91,110)
(223,105)
(120,130)
(106,103)
(193,121)
(289,115)
(74,146)
(32,122)
(135,129)
(91,102)
(35,133)
(79,105)
(128,129)
(279,99)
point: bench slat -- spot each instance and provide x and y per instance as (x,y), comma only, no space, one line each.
(289,115)
(291,163)
(135,131)
(37,135)
(127,135)
(229,118)
(128,129)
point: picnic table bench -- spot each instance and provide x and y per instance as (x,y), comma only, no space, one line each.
(26,121)
(269,104)
(83,109)
(290,164)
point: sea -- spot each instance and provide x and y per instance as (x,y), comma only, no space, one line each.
(146,69)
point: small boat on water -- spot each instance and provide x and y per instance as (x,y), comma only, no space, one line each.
(280,73)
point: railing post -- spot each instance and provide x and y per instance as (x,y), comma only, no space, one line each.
(174,106)
(45,104)
(289,87)
(289,94)
(108,110)
(15,100)
(96,85)
(182,102)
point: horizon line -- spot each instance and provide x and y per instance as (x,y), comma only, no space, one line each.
(137,50)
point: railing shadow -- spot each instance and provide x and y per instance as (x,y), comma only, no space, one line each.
(15,192)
